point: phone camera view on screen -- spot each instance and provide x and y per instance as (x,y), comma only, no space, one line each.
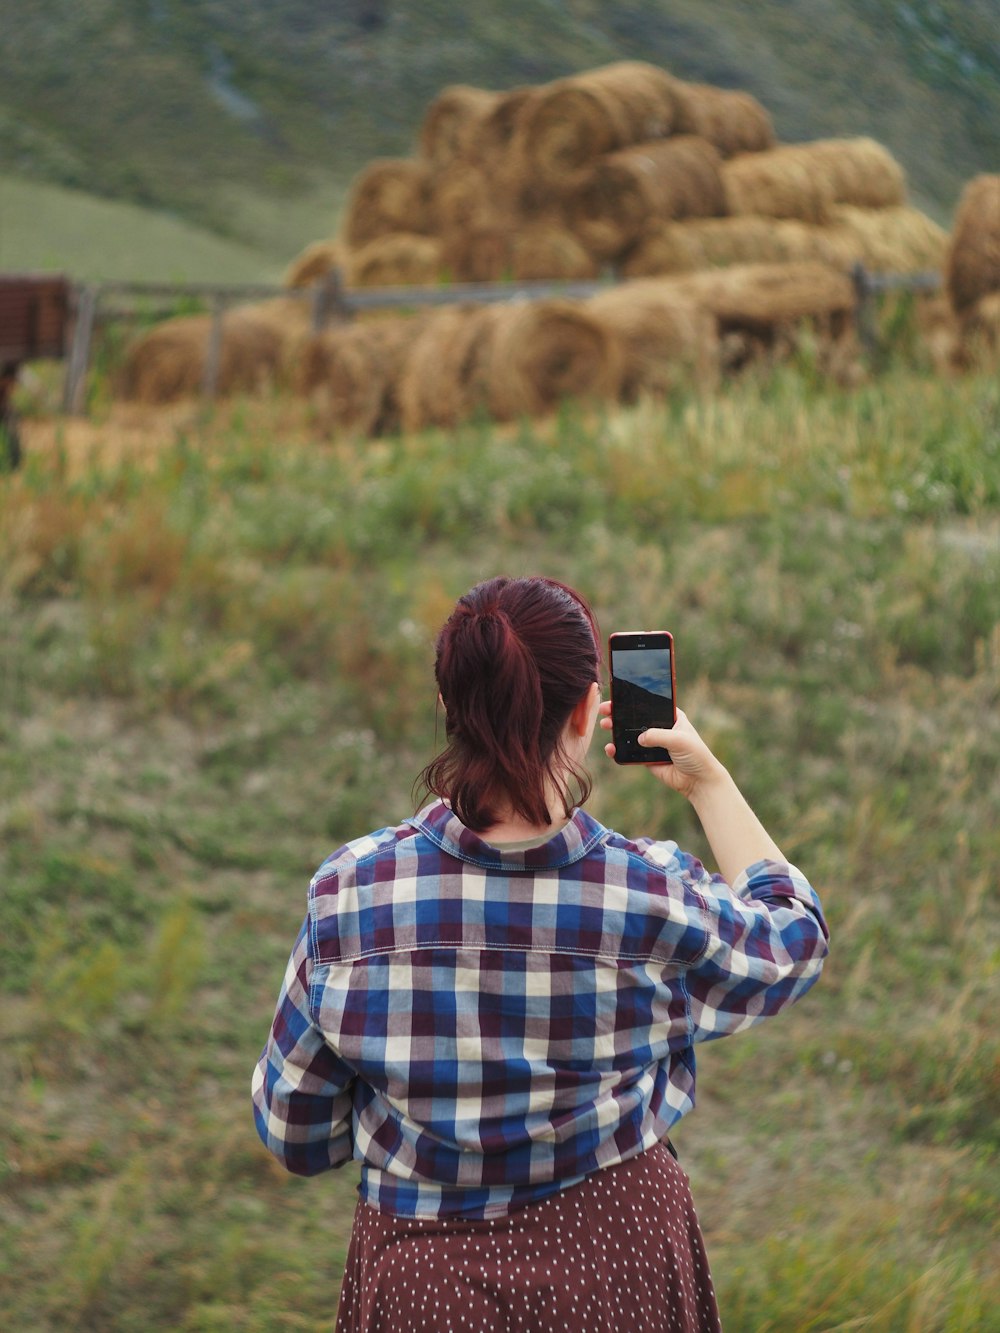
(642,693)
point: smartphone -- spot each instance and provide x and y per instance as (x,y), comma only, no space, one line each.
(643,686)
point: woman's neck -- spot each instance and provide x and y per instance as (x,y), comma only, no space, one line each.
(512,827)
(516,829)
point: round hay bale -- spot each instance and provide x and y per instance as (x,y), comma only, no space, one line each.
(389,195)
(761,297)
(667,342)
(315,261)
(539,353)
(287,315)
(491,136)
(461,197)
(684,247)
(731,120)
(567,124)
(776,184)
(168,362)
(542,250)
(450,119)
(351,374)
(972,266)
(861,171)
(673,178)
(400,260)
(478,253)
(760,310)
(438,385)
(896,240)
(806,180)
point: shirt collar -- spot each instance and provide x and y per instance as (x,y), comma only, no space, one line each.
(442,826)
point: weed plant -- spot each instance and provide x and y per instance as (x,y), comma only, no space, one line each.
(216,665)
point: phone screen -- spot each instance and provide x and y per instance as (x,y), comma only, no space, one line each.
(642,693)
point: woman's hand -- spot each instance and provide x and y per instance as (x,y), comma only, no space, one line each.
(737,837)
(694,765)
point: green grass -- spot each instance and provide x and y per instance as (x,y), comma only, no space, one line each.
(216,665)
(49,228)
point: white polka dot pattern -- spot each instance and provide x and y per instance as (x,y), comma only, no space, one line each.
(621,1251)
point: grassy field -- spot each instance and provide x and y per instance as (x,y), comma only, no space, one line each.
(52,229)
(215,665)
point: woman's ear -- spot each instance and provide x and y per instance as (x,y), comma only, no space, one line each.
(584,713)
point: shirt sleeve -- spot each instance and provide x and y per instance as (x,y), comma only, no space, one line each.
(767,939)
(301,1089)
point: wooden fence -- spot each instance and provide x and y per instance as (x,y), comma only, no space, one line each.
(331,302)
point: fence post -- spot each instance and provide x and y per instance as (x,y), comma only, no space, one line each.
(213,352)
(79,352)
(867,328)
(327,299)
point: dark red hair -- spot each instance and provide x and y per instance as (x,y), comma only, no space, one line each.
(513,660)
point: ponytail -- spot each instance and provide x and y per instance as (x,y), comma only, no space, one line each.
(513,659)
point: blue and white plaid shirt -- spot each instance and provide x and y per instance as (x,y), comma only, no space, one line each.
(483,1027)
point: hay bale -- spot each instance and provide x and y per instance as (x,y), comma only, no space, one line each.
(685,247)
(776,184)
(351,374)
(315,261)
(626,191)
(861,171)
(667,341)
(566,125)
(399,260)
(450,119)
(490,137)
(972,266)
(762,309)
(389,195)
(761,297)
(439,384)
(168,362)
(806,180)
(462,196)
(481,252)
(545,249)
(536,354)
(731,120)
(896,240)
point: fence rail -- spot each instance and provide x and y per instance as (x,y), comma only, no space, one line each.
(332,302)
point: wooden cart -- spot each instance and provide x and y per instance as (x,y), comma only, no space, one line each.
(34,321)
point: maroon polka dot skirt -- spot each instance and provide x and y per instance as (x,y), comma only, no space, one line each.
(621,1250)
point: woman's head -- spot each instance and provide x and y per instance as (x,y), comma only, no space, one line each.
(514,659)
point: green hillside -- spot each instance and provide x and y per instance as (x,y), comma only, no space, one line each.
(204,108)
(50,228)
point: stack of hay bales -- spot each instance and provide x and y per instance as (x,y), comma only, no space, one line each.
(623,166)
(522,358)
(972,272)
(513,359)
(259,344)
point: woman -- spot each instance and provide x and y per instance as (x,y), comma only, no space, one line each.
(493,1006)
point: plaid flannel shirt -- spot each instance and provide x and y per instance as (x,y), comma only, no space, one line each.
(482,1027)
